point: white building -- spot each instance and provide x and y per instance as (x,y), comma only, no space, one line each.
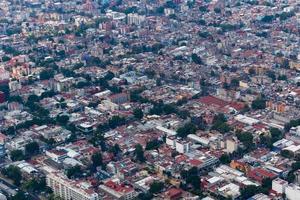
(231,145)
(134,18)
(182,146)
(279,185)
(68,189)
(292,192)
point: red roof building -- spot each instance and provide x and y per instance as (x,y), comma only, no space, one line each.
(259,174)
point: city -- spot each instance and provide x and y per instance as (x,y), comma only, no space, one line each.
(149,99)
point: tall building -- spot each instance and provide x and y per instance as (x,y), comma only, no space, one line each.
(134,18)
(68,189)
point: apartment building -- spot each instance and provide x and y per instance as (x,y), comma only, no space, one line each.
(68,189)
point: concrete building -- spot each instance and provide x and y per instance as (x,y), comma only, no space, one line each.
(182,146)
(231,145)
(292,192)
(279,185)
(117,190)
(68,189)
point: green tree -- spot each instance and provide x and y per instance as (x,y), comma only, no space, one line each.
(62,119)
(74,172)
(249,191)
(138,113)
(186,129)
(17,155)
(33,98)
(13,173)
(286,154)
(5,90)
(139,153)
(97,160)
(153,144)
(20,195)
(46,74)
(266,185)
(246,138)
(32,148)
(258,104)
(15,99)
(116,149)
(116,121)
(35,185)
(276,134)
(156,187)
(225,159)
(196,59)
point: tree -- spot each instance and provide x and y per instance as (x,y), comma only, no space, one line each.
(276,134)
(156,187)
(196,59)
(291,177)
(62,119)
(234,83)
(17,155)
(286,153)
(5,90)
(217,10)
(32,148)
(225,159)
(13,173)
(115,149)
(258,104)
(5,58)
(191,177)
(74,172)
(35,185)
(46,74)
(266,185)
(116,121)
(219,124)
(185,130)
(249,191)
(145,196)
(246,138)
(139,153)
(153,144)
(15,99)
(97,160)
(33,98)
(20,195)
(138,113)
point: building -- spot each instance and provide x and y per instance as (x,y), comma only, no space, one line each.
(231,145)
(279,185)
(134,18)
(68,189)
(292,192)
(259,174)
(182,146)
(118,191)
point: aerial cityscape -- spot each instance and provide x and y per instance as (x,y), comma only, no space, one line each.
(149,99)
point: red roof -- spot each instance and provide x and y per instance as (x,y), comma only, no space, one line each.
(118,187)
(195,162)
(260,174)
(211,100)
(174,193)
